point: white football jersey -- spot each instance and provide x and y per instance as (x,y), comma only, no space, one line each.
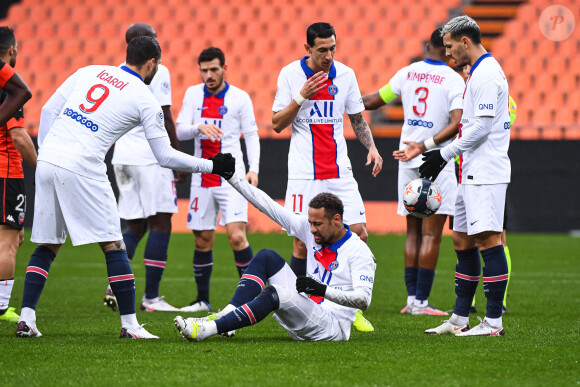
(486,95)
(233,112)
(132,148)
(429,90)
(345,265)
(102,104)
(317,147)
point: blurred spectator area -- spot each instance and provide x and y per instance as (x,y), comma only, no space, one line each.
(260,37)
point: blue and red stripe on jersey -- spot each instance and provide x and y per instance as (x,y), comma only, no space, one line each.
(324,147)
(211,110)
(326,256)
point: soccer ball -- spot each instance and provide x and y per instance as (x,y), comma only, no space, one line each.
(422,198)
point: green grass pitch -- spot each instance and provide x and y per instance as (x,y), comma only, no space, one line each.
(81,346)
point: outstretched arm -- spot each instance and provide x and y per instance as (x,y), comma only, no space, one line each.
(168,157)
(363,133)
(293,223)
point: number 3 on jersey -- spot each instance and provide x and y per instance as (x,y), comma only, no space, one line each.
(422,100)
(95,97)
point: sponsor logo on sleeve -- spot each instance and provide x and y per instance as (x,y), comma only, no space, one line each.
(160,119)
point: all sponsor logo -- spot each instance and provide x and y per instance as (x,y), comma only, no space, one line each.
(324,109)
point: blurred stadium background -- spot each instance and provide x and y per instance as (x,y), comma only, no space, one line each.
(376,39)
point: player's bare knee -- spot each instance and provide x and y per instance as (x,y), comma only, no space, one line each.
(160,222)
(137,227)
(108,247)
(203,240)
(238,240)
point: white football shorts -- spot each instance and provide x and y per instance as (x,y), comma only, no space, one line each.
(299,192)
(303,318)
(479,208)
(205,204)
(68,202)
(145,190)
(446,181)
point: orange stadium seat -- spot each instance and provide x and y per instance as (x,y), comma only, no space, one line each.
(18,12)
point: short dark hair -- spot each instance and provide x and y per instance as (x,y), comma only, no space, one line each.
(319,30)
(462,26)
(436,40)
(210,54)
(7,39)
(331,203)
(141,49)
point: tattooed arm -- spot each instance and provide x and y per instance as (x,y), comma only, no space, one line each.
(363,133)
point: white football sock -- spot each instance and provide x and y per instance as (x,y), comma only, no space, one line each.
(410,300)
(459,320)
(229,308)
(421,304)
(129,321)
(210,330)
(5,292)
(494,322)
(28,315)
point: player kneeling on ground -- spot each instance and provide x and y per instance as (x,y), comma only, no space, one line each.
(340,271)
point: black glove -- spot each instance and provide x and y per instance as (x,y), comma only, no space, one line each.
(432,165)
(224,164)
(309,286)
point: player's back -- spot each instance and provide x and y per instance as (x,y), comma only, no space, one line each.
(102,103)
(132,148)
(429,90)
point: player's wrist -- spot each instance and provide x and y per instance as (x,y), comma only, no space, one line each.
(430,143)
(299,99)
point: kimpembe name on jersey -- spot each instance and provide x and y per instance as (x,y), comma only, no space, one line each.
(426,78)
(111,80)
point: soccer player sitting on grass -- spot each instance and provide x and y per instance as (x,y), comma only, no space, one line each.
(319,306)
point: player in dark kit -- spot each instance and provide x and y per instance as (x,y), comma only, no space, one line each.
(15,144)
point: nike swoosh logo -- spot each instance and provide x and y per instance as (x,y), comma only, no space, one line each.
(202,108)
(472,223)
(362,212)
(238,213)
(457,329)
(496,332)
